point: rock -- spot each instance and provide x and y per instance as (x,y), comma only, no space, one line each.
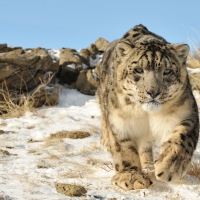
(19,81)
(70,190)
(54,67)
(45,95)
(85,53)
(70,65)
(4,48)
(7,69)
(68,75)
(93,51)
(36,80)
(70,56)
(101,44)
(87,82)
(18,68)
(1,132)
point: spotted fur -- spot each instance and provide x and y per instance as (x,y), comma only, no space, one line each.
(145,96)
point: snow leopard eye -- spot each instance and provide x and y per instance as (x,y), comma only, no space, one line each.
(139,70)
(167,71)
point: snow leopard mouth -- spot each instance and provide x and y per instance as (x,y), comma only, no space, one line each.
(151,106)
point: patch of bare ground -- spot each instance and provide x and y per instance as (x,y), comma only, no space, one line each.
(70,134)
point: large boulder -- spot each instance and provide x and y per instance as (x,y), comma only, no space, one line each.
(101,44)
(70,56)
(19,67)
(86,82)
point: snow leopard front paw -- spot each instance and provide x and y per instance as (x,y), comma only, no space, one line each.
(173,162)
(131,180)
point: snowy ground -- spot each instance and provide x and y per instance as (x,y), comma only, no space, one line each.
(31,162)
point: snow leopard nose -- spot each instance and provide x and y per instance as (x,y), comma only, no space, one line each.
(153,93)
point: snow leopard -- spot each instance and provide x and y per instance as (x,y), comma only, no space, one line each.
(145,98)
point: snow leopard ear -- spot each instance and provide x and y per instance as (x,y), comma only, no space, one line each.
(182,51)
(123,48)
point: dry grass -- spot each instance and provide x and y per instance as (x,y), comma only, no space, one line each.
(15,104)
(195,170)
(70,134)
(194,59)
(9,108)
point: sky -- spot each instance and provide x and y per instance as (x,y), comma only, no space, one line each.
(78,23)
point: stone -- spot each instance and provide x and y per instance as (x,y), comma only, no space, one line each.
(86,82)
(70,56)
(101,44)
(68,75)
(70,189)
(18,81)
(36,80)
(4,48)
(93,51)
(54,67)
(7,69)
(70,66)
(18,68)
(85,53)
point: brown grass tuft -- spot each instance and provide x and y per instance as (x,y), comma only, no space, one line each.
(70,134)
(195,170)
(194,59)
(9,108)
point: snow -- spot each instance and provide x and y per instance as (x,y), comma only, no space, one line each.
(54,53)
(93,62)
(94,74)
(192,71)
(72,66)
(36,163)
(84,66)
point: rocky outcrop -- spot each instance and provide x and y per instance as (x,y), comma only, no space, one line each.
(28,71)
(24,70)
